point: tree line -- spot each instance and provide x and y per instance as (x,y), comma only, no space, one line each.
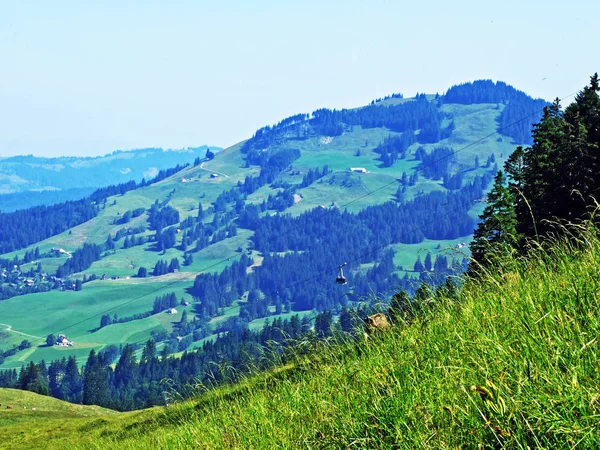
(555,180)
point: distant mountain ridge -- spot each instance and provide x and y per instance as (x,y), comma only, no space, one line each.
(28,180)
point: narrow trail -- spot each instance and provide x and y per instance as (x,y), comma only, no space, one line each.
(212,171)
(9,328)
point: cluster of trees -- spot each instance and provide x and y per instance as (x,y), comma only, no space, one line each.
(132,241)
(405,118)
(394,147)
(159,218)
(556,179)
(10,264)
(162,267)
(106,319)
(164,302)
(520,111)
(25,227)
(165,239)
(81,259)
(128,231)
(293,126)
(436,164)
(387,97)
(130,214)
(414,115)
(313,175)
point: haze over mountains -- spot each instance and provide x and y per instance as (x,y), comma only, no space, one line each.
(29,180)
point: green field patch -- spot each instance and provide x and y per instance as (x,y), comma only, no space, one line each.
(406,254)
(77,314)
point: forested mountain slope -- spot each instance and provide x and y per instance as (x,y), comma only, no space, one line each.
(226,253)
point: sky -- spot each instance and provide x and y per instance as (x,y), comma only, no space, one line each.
(87,78)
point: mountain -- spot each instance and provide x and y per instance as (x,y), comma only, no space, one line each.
(496,365)
(28,180)
(250,241)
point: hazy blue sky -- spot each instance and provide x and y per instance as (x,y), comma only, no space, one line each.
(87,78)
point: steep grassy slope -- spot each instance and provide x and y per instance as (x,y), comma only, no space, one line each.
(29,420)
(512,362)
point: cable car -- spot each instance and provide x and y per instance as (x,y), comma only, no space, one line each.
(341,279)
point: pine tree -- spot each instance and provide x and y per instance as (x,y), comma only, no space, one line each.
(539,178)
(71,382)
(126,370)
(428,263)
(95,382)
(323,323)
(496,233)
(418,267)
(50,340)
(32,379)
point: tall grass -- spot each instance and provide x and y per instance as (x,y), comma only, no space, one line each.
(512,362)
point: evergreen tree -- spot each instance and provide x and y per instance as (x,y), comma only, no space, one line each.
(323,324)
(428,263)
(32,379)
(539,178)
(496,233)
(95,382)
(50,340)
(109,244)
(418,267)
(71,383)
(188,259)
(126,370)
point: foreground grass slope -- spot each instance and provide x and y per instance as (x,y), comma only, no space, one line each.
(512,362)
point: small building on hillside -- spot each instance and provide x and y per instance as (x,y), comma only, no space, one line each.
(171,311)
(358,169)
(214,175)
(63,341)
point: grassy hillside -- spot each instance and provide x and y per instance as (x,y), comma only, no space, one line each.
(76,313)
(512,362)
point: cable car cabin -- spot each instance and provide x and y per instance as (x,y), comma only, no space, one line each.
(340,279)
